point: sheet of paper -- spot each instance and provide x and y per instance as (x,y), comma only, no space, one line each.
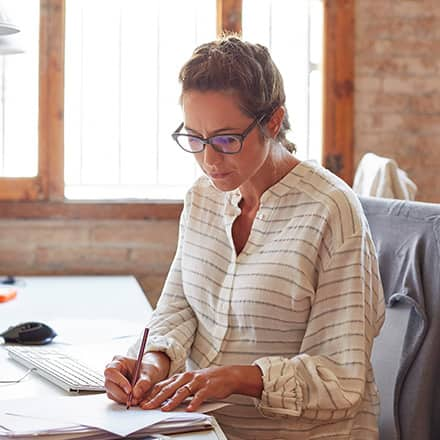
(93,410)
(16,423)
(68,435)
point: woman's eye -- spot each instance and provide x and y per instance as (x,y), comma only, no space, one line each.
(193,140)
(224,140)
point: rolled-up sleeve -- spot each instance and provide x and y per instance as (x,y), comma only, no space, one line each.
(327,379)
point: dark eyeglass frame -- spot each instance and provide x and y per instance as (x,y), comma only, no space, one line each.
(205,141)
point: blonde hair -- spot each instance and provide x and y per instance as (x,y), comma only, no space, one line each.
(231,64)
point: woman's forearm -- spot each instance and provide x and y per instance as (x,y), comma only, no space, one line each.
(248,378)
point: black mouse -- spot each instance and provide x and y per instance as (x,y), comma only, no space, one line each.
(29,333)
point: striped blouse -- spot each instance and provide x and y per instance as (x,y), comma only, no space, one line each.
(303,301)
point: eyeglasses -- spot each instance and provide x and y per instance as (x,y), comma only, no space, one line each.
(228,143)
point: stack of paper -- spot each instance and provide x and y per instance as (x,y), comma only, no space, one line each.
(92,417)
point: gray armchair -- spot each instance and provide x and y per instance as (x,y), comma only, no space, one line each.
(406,355)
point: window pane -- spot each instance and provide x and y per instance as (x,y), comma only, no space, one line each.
(292,30)
(121,95)
(121,88)
(19,92)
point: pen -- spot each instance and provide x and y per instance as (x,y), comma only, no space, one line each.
(137,369)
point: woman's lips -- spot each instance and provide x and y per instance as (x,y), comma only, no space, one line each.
(219,175)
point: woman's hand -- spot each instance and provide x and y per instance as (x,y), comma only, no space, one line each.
(205,384)
(120,370)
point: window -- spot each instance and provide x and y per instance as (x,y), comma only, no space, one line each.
(121,106)
(121,96)
(19,95)
(68,169)
(293,31)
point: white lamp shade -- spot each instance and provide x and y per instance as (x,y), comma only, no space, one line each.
(6,27)
(11,44)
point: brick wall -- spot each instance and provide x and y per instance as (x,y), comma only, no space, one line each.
(141,248)
(397,87)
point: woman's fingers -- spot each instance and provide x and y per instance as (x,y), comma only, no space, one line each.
(199,385)
(197,400)
(176,399)
(113,375)
(142,388)
(116,396)
(160,387)
(119,372)
(115,392)
(116,383)
(168,393)
(121,364)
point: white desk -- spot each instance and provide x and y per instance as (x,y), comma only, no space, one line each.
(92,302)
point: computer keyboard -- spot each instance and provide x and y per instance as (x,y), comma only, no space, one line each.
(59,368)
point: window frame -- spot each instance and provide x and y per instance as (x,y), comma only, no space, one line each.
(338,88)
(43,196)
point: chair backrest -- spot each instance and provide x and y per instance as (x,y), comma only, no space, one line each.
(386,357)
(406,355)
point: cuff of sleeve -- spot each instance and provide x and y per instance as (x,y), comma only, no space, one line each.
(169,346)
(282,394)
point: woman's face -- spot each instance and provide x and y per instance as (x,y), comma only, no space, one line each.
(214,113)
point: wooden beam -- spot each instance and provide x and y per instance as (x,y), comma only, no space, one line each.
(229,16)
(117,210)
(51,120)
(21,188)
(338,95)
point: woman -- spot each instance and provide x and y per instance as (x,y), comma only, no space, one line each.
(274,296)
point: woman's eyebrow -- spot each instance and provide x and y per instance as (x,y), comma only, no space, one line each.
(232,130)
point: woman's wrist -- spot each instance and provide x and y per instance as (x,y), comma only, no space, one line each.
(248,379)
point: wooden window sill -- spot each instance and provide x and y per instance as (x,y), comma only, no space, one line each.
(85,210)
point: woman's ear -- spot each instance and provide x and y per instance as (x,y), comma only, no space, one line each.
(275,121)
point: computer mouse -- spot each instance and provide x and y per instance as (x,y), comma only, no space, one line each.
(29,333)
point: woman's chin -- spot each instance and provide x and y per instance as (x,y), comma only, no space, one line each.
(223,185)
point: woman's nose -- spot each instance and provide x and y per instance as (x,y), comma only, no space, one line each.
(211,156)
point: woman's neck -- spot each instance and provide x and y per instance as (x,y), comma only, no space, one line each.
(277,165)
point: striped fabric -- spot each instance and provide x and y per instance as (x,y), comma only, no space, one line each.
(303,301)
